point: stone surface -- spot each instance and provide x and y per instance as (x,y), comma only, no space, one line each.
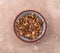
(9,43)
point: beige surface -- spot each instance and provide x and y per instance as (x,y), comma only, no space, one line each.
(9,43)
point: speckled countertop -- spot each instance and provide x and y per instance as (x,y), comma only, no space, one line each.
(9,43)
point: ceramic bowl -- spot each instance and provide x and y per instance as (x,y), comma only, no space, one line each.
(43,25)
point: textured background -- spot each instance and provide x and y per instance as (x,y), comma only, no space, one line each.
(9,43)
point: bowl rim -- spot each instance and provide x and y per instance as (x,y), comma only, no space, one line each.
(18,16)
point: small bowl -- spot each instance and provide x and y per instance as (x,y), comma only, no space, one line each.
(43,26)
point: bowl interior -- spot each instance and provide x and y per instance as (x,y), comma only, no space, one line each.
(43,25)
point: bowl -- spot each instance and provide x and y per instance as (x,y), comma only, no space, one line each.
(43,25)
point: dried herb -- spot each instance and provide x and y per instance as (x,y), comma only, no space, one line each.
(29,26)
